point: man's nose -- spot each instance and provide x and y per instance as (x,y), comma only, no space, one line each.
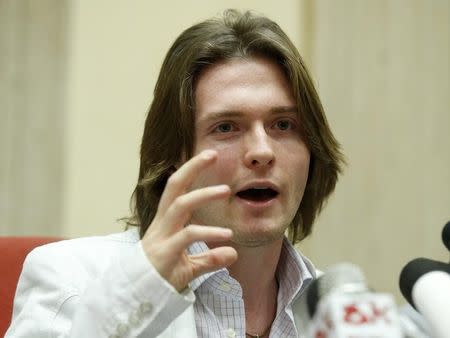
(259,149)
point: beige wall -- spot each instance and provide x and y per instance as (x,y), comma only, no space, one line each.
(381,69)
(115,55)
(32,80)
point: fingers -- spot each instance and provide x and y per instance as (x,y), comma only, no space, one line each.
(180,211)
(194,233)
(183,177)
(167,238)
(212,260)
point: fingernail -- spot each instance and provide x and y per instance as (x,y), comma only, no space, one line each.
(208,154)
(223,188)
(227,232)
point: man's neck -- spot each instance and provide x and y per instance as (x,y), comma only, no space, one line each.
(255,270)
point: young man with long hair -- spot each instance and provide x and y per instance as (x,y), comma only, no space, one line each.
(236,153)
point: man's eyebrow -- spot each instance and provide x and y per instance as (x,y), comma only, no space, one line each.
(284,109)
(211,116)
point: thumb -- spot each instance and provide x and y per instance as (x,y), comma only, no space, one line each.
(212,260)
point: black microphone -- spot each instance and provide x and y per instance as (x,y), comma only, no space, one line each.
(415,269)
(446,235)
(425,284)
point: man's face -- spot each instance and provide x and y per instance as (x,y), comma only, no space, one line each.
(245,111)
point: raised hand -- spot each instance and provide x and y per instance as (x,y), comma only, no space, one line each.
(167,238)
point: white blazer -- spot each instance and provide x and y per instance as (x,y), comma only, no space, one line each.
(103,287)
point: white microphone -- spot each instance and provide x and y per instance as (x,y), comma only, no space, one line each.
(342,306)
(426,285)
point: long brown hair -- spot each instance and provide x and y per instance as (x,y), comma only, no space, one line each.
(170,124)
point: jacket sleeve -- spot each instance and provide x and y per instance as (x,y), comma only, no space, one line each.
(54,298)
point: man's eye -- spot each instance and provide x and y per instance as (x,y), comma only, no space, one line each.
(284,124)
(224,128)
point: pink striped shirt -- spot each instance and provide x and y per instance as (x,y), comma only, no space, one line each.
(219,307)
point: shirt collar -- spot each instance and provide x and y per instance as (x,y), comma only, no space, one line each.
(294,271)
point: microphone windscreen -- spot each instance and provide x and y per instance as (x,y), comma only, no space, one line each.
(416,269)
(312,298)
(344,277)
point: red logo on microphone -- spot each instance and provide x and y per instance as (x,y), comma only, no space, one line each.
(360,314)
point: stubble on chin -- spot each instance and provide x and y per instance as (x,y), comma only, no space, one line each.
(257,239)
(244,235)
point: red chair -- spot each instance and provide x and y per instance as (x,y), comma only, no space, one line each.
(13,251)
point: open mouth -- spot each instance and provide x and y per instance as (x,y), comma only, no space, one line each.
(257,194)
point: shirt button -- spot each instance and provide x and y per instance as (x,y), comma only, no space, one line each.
(231,333)
(225,287)
(122,329)
(135,318)
(145,308)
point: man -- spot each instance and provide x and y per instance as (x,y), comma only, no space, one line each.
(236,150)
